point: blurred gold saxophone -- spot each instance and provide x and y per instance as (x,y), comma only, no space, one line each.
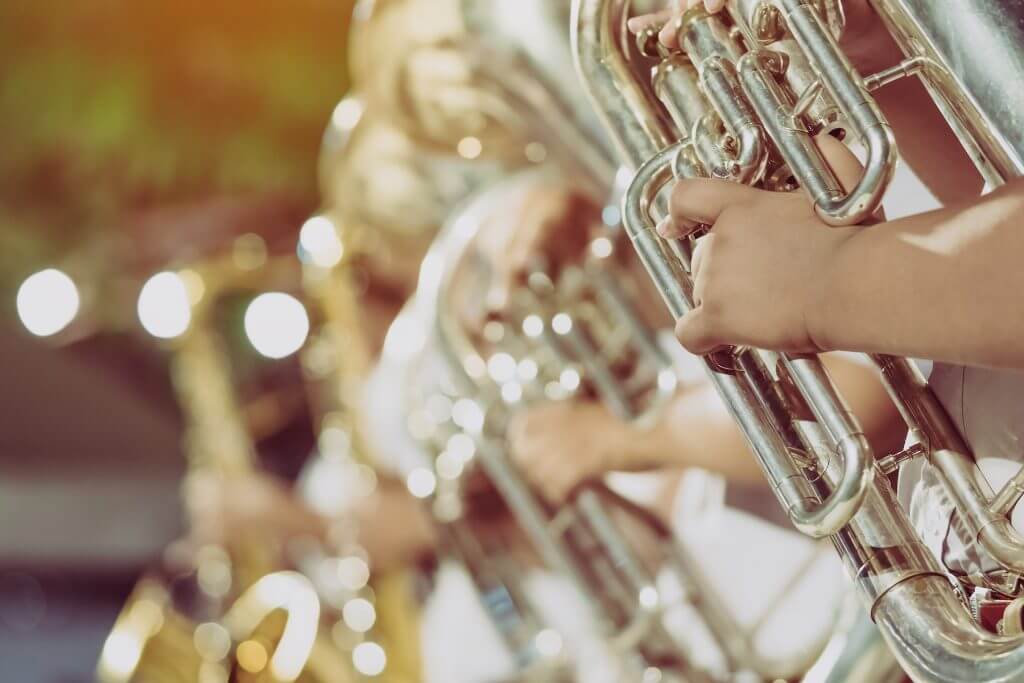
(244,615)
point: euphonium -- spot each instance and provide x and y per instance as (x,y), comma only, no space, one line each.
(581,542)
(227,607)
(764,70)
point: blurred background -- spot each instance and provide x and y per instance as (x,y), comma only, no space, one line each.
(130,132)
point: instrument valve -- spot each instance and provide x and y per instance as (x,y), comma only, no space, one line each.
(892,462)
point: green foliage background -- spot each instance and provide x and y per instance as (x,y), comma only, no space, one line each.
(111,107)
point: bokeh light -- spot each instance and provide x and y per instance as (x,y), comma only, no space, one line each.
(319,242)
(276,324)
(47,302)
(369,659)
(165,308)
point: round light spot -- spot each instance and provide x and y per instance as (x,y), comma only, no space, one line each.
(421,482)
(470,147)
(649,597)
(527,370)
(319,242)
(164,307)
(601,247)
(359,615)
(611,216)
(561,323)
(548,642)
(461,446)
(252,656)
(652,675)
(353,572)
(449,466)
(369,659)
(501,367)
(276,324)
(569,379)
(533,326)
(511,392)
(47,302)
(467,414)
(212,641)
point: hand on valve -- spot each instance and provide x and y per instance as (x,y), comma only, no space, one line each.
(761,275)
(560,445)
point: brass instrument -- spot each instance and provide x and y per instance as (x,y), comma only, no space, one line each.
(336,360)
(232,615)
(765,94)
(581,542)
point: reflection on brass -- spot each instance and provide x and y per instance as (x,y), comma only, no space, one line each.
(777,65)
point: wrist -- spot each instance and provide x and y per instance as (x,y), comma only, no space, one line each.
(824,311)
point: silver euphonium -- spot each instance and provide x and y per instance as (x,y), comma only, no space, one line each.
(822,470)
(556,356)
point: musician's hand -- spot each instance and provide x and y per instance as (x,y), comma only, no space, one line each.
(559,445)
(759,274)
(393,527)
(547,224)
(224,508)
(390,525)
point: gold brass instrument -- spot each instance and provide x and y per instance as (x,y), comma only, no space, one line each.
(823,473)
(239,611)
(335,361)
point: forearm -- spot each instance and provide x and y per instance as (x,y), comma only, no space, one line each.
(694,430)
(944,285)
(925,141)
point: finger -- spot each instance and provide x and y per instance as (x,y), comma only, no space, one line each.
(703,200)
(671,230)
(714,5)
(644,21)
(845,165)
(700,255)
(667,36)
(559,486)
(694,332)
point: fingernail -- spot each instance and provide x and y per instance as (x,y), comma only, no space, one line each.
(714,5)
(635,24)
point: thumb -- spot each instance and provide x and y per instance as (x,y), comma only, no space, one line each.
(843,162)
(696,333)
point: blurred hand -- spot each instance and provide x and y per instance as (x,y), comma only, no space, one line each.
(393,527)
(224,508)
(560,445)
(547,225)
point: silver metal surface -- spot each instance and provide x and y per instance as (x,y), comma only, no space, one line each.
(906,591)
